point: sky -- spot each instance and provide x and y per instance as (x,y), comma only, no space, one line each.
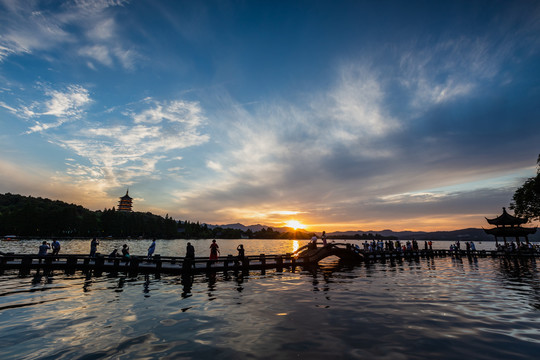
(341,115)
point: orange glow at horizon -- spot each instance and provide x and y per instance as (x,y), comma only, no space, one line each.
(295,224)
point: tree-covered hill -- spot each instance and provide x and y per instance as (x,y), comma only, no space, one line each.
(39,217)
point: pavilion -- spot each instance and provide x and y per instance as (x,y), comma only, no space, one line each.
(509,226)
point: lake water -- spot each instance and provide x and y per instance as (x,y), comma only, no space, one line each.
(441,308)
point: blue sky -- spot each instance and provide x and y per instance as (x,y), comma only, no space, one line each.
(343,115)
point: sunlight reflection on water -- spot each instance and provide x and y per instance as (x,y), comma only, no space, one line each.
(438,308)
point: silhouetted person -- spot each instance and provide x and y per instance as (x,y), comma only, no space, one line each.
(190,251)
(151,249)
(323,238)
(241,252)
(313,244)
(93,247)
(43,248)
(125,252)
(114,253)
(214,250)
(55,247)
(190,255)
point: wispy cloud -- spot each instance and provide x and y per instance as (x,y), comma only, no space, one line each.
(356,104)
(121,154)
(280,151)
(85,27)
(62,106)
(99,53)
(59,107)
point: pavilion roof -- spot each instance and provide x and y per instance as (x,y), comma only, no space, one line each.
(126,197)
(506,219)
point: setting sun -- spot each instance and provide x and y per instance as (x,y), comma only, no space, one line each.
(295,224)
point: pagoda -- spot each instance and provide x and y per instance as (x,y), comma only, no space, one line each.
(125,203)
(507,225)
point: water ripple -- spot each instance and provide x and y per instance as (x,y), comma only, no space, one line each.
(442,308)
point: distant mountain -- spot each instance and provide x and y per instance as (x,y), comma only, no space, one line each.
(253,228)
(474,234)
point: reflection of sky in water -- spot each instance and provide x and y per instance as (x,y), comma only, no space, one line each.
(438,308)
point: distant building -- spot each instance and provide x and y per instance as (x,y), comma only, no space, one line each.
(509,226)
(125,203)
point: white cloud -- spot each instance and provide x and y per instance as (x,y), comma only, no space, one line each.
(27,29)
(69,103)
(96,6)
(39,127)
(103,30)
(82,27)
(214,165)
(63,106)
(356,103)
(99,53)
(124,153)
(126,57)
(7,107)
(452,68)
(175,111)
(6,51)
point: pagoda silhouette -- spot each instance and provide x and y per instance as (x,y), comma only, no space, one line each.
(508,226)
(126,202)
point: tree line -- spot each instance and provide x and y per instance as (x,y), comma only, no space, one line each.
(27,216)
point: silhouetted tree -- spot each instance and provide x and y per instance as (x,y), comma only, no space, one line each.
(526,200)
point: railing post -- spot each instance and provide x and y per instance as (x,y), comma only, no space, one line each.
(134,266)
(86,262)
(48,261)
(187,266)
(26,264)
(99,261)
(262,259)
(71,264)
(159,264)
(279,263)
(2,264)
(116,265)
(226,263)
